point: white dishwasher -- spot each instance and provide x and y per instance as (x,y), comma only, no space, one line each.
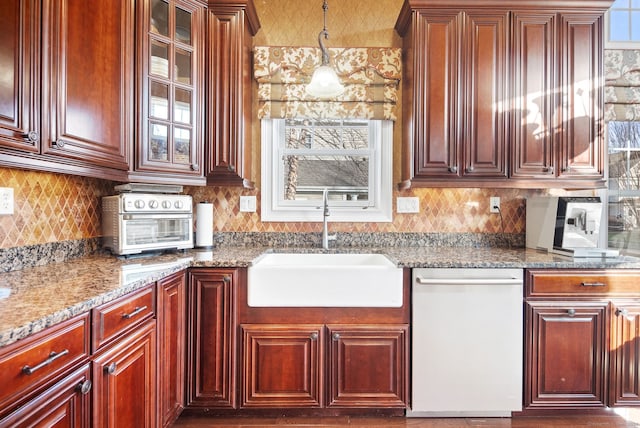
(467,332)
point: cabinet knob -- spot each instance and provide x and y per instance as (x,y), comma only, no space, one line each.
(622,312)
(571,312)
(314,335)
(470,168)
(335,336)
(58,144)
(549,170)
(32,136)
(232,168)
(84,387)
(194,167)
(453,169)
(226,279)
(111,368)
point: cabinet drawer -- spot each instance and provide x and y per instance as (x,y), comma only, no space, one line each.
(115,318)
(587,283)
(27,365)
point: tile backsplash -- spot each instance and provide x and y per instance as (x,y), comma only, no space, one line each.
(54,207)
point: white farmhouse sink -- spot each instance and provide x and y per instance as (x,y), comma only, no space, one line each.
(324,280)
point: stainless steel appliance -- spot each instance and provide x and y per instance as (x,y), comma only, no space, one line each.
(138,222)
(566,225)
(467,342)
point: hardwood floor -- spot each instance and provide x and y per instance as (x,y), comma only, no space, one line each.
(627,419)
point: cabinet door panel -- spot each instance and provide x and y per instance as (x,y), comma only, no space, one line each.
(282,365)
(566,355)
(124,377)
(19,68)
(171,346)
(625,355)
(368,366)
(582,148)
(88,69)
(485,103)
(211,339)
(534,95)
(435,133)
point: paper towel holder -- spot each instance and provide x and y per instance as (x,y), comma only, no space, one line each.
(204,225)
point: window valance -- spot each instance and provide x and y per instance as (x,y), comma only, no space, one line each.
(622,84)
(371,77)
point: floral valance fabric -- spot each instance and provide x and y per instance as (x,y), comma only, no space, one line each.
(622,84)
(371,77)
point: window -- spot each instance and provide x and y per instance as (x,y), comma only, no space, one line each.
(624,186)
(623,23)
(351,158)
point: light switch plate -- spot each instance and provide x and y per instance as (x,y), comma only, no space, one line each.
(407,204)
(247,204)
(6,201)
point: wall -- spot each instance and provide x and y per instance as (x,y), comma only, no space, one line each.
(53,207)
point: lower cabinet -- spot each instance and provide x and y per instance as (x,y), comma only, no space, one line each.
(351,366)
(171,325)
(582,339)
(124,381)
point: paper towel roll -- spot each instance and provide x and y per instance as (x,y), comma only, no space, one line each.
(204,225)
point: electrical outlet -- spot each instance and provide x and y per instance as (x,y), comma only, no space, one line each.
(407,205)
(6,201)
(247,204)
(494,204)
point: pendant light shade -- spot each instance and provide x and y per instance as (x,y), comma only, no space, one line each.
(324,82)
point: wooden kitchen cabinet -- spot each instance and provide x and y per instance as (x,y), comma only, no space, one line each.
(171,326)
(66,402)
(125,360)
(231,25)
(40,362)
(582,339)
(68,101)
(170,53)
(503,96)
(211,366)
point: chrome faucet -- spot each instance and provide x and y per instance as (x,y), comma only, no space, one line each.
(325,229)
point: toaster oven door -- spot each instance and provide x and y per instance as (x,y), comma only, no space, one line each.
(146,232)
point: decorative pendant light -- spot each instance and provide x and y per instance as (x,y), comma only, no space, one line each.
(324,82)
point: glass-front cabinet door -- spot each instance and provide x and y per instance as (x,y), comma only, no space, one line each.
(170,135)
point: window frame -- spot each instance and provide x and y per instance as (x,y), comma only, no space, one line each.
(378,208)
(608,43)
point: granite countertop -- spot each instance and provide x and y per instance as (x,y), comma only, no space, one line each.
(35,298)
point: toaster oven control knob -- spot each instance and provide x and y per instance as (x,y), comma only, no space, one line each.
(153,203)
(178,204)
(139,203)
(166,204)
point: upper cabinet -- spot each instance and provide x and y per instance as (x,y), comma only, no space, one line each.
(231,25)
(502,97)
(67,103)
(170,52)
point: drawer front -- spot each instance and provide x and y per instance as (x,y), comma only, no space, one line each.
(27,365)
(585,283)
(115,318)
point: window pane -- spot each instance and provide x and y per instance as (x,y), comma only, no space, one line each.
(619,25)
(159,100)
(182,109)
(346,177)
(158,144)
(160,59)
(182,145)
(183,66)
(635,26)
(327,134)
(635,4)
(624,186)
(183,26)
(160,17)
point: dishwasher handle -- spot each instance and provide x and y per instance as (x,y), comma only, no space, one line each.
(468,281)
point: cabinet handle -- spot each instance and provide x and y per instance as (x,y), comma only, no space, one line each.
(453,169)
(58,144)
(31,136)
(52,357)
(135,312)
(314,335)
(571,312)
(111,368)
(335,336)
(593,284)
(84,387)
(226,279)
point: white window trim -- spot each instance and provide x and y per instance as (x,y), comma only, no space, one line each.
(381,188)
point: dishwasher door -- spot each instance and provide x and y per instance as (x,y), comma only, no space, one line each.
(467,333)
